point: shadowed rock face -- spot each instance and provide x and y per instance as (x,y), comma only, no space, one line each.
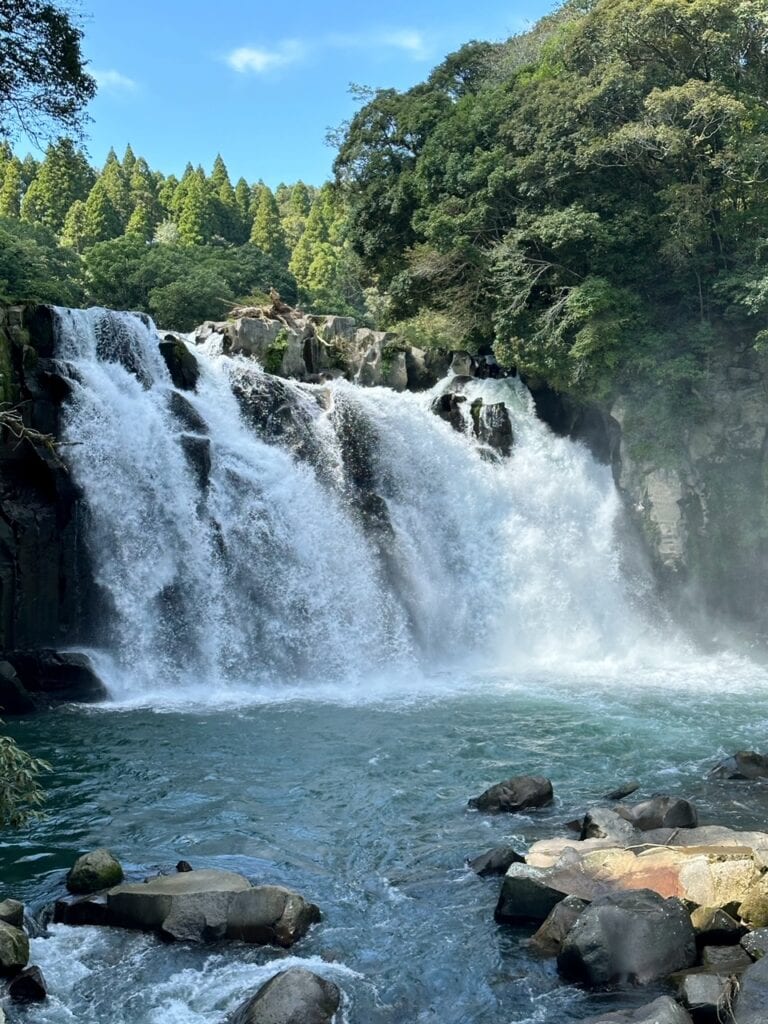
(661,1011)
(633,936)
(45,580)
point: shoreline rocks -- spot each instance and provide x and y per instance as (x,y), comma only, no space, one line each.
(516,794)
(295,996)
(99,869)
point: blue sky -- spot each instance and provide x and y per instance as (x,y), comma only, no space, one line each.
(261,83)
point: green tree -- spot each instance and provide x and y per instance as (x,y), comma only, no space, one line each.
(44,86)
(100,220)
(74,234)
(267,231)
(227,218)
(243,200)
(12,188)
(196,219)
(34,268)
(63,176)
(116,185)
(128,162)
(297,208)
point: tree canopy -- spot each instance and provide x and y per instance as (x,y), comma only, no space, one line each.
(44,84)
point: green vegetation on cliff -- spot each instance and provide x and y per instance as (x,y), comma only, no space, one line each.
(590,198)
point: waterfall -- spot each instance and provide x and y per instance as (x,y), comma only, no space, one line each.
(261,531)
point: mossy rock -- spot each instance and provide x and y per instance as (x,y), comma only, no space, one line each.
(99,869)
(14,949)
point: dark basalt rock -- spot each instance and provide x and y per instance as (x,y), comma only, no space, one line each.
(495,862)
(28,986)
(526,896)
(635,936)
(745,764)
(751,1006)
(549,939)
(14,699)
(492,426)
(295,996)
(714,927)
(182,364)
(516,794)
(197,451)
(58,675)
(448,408)
(187,415)
(756,943)
(82,910)
(622,791)
(660,812)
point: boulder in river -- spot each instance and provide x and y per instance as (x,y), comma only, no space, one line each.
(295,996)
(526,896)
(208,905)
(495,862)
(28,986)
(663,1010)
(82,910)
(635,936)
(270,915)
(99,869)
(745,764)
(660,812)
(622,791)
(548,940)
(516,794)
(12,912)
(607,823)
(14,949)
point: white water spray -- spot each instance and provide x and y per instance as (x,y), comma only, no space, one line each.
(274,570)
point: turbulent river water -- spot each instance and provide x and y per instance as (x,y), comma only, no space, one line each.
(309,698)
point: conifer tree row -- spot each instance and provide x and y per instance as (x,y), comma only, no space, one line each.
(183,238)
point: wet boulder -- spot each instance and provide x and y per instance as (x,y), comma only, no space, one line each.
(751,1005)
(190,906)
(663,1010)
(186,414)
(495,862)
(197,452)
(28,986)
(526,896)
(295,996)
(516,794)
(607,823)
(622,791)
(12,912)
(449,408)
(14,949)
(270,915)
(660,812)
(636,936)
(744,765)
(81,910)
(14,699)
(58,675)
(492,425)
(549,939)
(182,364)
(99,869)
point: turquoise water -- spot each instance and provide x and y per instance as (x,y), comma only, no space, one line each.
(361,806)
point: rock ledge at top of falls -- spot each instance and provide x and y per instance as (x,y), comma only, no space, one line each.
(198,906)
(309,347)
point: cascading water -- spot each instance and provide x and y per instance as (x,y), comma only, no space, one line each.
(371,539)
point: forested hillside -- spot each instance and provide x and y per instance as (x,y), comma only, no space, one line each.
(590,199)
(183,250)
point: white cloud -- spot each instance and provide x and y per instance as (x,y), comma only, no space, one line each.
(259,60)
(113,81)
(406,39)
(255,60)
